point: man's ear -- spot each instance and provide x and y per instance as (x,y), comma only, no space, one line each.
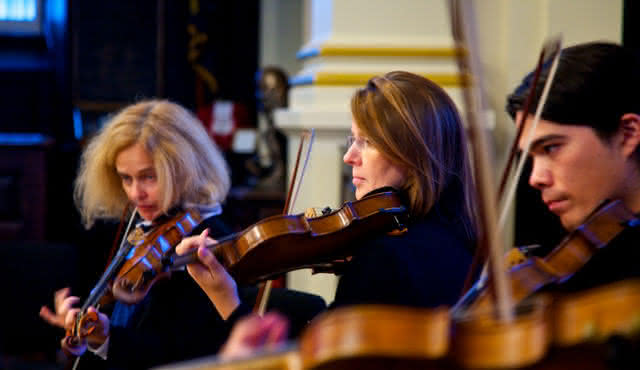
(629,131)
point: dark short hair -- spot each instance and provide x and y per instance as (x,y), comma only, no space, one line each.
(595,84)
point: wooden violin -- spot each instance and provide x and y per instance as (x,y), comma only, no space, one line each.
(132,272)
(280,244)
(483,341)
(143,265)
(273,246)
(564,260)
(376,337)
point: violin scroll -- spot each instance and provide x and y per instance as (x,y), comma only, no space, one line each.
(88,329)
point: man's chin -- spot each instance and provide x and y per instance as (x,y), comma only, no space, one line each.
(571,222)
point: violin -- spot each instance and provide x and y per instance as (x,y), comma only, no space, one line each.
(548,332)
(554,331)
(576,249)
(143,266)
(128,278)
(273,246)
(355,337)
(376,337)
(596,329)
(481,340)
(283,243)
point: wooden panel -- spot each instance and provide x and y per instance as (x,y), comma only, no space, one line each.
(23,185)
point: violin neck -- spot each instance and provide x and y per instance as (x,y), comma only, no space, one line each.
(110,273)
(176,262)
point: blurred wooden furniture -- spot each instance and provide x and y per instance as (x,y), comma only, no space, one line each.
(23,185)
(246,206)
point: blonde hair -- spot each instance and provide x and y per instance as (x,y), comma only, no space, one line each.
(189,166)
(415,125)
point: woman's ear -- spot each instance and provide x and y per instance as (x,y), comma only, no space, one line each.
(629,132)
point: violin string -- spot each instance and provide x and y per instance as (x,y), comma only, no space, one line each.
(98,291)
(536,119)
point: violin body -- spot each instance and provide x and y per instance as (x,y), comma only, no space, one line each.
(272,246)
(483,341)
(144,263)
(280,244)
(568,257)
(596,314)
(376,337)
(548,333)
(129,277)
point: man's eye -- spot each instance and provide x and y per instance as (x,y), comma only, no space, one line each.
(550,148)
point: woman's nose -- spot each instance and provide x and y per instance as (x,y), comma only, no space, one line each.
(351,157)
(137,191)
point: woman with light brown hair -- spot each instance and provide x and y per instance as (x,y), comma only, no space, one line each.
(418,128)
(407,135)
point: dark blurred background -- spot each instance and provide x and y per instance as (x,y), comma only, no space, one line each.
(65,65)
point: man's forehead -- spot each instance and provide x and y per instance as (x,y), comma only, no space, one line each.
(543,128)
(527,124)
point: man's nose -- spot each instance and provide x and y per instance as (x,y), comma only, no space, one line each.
(540,176)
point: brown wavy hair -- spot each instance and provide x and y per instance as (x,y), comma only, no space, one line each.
(415,124)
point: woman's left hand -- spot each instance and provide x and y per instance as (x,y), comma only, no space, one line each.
(210,275)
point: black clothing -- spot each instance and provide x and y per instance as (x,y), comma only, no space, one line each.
(424,267)
(298,307)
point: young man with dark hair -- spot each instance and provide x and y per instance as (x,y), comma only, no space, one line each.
(585,149)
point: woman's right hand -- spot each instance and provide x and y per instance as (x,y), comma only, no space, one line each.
(62,303)
(254,333)
(210,275)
